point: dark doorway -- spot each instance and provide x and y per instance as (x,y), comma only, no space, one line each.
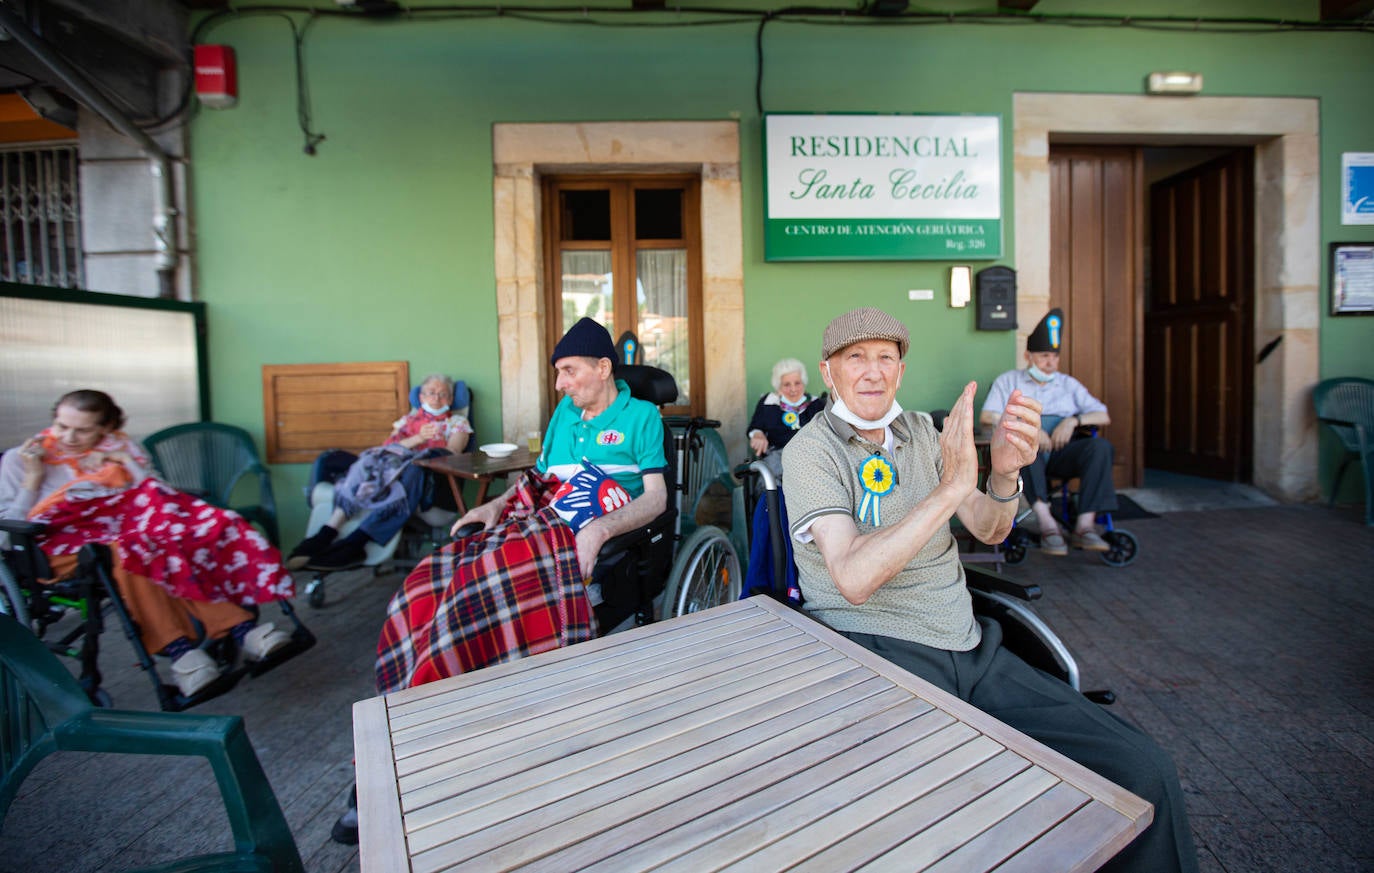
(1199,313)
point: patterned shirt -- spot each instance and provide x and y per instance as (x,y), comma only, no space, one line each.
(927,602)
(450,423)
(625,441)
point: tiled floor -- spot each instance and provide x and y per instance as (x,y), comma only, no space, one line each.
(1243,639)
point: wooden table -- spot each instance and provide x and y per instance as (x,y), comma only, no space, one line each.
(480,467)
(745,737)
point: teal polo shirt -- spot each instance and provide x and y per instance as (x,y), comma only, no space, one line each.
(625,441)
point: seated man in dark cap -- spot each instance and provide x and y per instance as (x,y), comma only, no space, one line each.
(516,587)
(1067,406)
(870,494)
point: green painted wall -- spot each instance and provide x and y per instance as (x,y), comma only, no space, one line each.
(380,246)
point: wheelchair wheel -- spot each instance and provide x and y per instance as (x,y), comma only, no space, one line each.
(1014,549)
(705,574)
(1123,548)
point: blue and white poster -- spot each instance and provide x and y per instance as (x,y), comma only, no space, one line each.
(1357,188)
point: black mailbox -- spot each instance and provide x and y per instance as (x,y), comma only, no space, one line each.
(996,298)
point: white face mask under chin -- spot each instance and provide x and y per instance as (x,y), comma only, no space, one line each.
(1039,375)
(433,410)
(845,414)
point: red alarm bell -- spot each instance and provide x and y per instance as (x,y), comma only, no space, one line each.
(217,83)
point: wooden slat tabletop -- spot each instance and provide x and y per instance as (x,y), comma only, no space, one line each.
(746,737)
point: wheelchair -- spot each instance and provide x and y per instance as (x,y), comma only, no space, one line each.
(426,528)
(686,559)
(69,616)
(1005,600)
(1122,544)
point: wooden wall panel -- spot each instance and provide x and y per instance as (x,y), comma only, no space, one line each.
(309,408)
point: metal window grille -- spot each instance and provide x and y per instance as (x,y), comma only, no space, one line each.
(41,212)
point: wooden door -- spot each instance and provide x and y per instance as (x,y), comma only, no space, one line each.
(1095,277)
(1198,320)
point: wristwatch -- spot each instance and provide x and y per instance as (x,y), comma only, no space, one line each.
(1010,497)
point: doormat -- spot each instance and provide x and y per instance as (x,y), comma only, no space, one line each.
(1127,509)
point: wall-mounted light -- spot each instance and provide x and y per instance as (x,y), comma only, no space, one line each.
(1176,82)
(960,286)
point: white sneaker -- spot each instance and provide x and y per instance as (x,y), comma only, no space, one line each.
(193,671)
(262,641)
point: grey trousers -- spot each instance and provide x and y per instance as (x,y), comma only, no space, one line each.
(1039,705)
(1088,459)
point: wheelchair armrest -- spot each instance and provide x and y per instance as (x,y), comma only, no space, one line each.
(1336,421)
(981,579)
(623,542)
(21,527)
(24,555)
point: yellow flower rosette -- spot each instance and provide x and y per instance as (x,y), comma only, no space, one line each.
(877,477)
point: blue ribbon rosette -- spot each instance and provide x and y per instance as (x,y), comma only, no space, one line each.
(790,419)
(877,477)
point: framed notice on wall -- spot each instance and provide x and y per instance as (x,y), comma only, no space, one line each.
(1352,278)
(1357,188)
(882,187)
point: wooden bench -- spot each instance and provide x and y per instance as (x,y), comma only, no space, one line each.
(309,408)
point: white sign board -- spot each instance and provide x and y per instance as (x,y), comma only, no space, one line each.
(883,187)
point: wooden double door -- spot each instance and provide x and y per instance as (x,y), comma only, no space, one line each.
(1157,295)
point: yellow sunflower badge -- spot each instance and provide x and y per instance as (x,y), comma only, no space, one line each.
(790,419)
(877,477)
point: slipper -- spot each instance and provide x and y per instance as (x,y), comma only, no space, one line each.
(1089,541)
(262,641)
(1054,544)
(193,671)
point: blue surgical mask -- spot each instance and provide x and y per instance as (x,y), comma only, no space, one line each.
(1040,375)
(433,410)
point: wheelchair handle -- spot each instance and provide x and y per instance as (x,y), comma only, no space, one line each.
(467,530)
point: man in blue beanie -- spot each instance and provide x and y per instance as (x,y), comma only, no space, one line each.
(598,438)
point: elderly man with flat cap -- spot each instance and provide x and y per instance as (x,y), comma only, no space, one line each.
(870,493)
(1067,405)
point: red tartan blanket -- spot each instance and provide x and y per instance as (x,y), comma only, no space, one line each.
(192,549)
(511,591)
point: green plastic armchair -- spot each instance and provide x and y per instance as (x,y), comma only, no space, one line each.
(45,711)
(208,459)
(1347,407)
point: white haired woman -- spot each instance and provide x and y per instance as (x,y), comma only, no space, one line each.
(382,485)
(781,413)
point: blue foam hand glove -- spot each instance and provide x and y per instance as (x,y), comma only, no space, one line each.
(588,494)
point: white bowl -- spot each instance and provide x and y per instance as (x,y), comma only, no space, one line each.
(498,450)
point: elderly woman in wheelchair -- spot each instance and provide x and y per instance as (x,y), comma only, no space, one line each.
(178,562)
(382,485)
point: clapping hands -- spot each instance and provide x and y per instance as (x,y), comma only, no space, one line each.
(1016,439)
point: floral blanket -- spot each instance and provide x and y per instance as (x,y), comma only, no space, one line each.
(192,549)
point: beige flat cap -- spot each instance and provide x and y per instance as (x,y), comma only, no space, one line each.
(858,325)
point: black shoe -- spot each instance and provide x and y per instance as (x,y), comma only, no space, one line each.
(340,556)
(310,547)
(346,828)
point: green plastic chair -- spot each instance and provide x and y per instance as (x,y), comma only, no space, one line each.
(45,711)
(208,459)
(1347,407)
